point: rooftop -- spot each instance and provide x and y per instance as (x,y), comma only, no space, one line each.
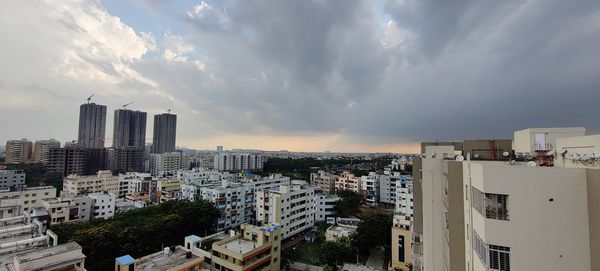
(48,252)
(162,261)
(241,245)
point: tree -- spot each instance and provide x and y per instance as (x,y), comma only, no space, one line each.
(335,253)
(374,231)
(349,203)
(138,232)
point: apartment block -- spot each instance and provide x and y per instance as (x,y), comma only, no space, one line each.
(68,256)
(404,198)
(41,150)
(370,188)
(104,181)
(253,248)
(387,187)
(500,212)
(347,181)
(401,254)
(68,160)
(18,151)
(11,179)
(238,162)
(103,205)
(67,208)
(168,162)
(27,198)
(291,206)
(323,180)
(324,205)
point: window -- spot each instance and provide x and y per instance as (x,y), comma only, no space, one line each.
(499,258)
(492,206)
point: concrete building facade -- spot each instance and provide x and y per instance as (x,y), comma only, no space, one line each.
(18,151)
(164,134)
(41,150)
(92,125)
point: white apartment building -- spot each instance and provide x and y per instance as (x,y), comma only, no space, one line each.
(370,188)
(237,161)
(168,162)
(132,183)
(347,181)
(234,201)
(81,185)
(11,178)
(104,205)
(324,205)
(26,198)
(291,206)
(388,188)
(404,198)
(68,208)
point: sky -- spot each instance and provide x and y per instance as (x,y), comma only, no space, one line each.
(312,75)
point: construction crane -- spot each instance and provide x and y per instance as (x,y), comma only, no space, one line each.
(127,104)
(89,98)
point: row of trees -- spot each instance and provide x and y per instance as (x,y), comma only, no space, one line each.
(138,232)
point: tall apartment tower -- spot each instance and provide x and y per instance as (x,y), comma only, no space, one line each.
(41,149)
(92,125)
(18,151)
(129,129)
(163,138)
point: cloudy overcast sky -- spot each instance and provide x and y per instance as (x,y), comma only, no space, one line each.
(339,75)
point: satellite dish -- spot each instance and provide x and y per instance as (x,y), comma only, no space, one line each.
(531,164)
(460,158)
(576,156)
(561,151)
(505,154)
(512,162)
(476,155)
(596,154)
(550,153)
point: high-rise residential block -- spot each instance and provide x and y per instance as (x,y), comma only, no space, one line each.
(129,129)
(164,134)
(18,151)
(41,149)
(92,125)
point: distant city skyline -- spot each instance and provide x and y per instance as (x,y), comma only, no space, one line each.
(351,76)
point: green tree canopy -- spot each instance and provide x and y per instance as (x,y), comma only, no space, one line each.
(374,231)
(336,253)
(349,204)
(138,232)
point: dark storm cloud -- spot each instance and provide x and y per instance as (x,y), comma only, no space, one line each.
(418,70)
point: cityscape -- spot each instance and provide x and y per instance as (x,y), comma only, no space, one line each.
(384,135)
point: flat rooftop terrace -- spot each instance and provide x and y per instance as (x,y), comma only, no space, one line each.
(161,261)
(241,245)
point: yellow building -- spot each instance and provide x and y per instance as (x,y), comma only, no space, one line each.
(401,243)
(254,248)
